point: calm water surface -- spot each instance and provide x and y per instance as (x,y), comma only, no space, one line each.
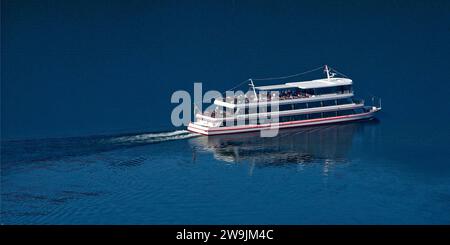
(351,173)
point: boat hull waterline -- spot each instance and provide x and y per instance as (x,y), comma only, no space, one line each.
(291,124)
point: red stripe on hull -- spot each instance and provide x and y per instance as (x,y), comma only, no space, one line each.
(309,122)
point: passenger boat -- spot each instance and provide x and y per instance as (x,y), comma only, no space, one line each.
(285,105)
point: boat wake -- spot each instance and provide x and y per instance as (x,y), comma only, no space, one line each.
(155,137)
(58,148)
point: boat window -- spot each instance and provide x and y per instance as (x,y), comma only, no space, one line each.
(347,88)
(329,114)
(345,112)
(299,117)
(300,106)
(314,104)
(315,115)
(344,101)
(327,90)
(285,107)
(309,91)
(329,102)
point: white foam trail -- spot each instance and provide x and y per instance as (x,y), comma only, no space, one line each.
(156,137)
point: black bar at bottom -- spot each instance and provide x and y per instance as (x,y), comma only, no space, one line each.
(215,233)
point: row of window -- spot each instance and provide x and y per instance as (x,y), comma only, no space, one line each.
(298,117)
(320,115)
(304,105)
(315,104)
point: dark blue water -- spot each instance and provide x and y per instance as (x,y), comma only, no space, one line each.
(351,173)
(71,70)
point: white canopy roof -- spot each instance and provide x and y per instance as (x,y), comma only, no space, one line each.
(319,83)
(275,87)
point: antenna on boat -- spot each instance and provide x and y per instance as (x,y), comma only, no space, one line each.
(253,87)
(328,72)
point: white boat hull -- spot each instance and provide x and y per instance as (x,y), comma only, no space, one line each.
(252,128)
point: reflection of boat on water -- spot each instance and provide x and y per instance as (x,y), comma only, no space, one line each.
(325,144)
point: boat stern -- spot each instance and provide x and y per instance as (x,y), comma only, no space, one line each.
(196,127)
(375,109)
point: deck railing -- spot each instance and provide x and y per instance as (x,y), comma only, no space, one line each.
(226,113)
(243,99)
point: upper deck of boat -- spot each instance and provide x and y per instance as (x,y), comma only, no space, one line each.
(289,92)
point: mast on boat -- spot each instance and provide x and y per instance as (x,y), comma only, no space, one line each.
(328,72)
(253,87)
